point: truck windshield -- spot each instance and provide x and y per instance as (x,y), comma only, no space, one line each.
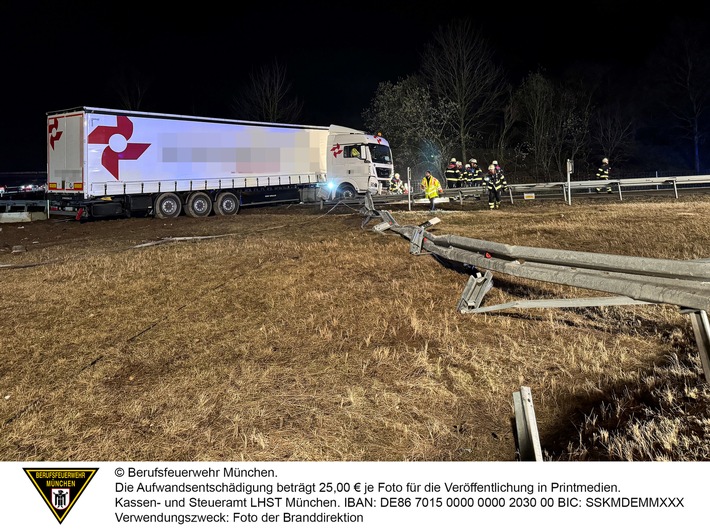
(380,154)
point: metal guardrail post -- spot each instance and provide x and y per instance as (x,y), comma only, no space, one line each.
(701,329)
(526,426)
(476,288)
(415,242)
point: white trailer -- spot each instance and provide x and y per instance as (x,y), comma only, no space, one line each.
(107,162)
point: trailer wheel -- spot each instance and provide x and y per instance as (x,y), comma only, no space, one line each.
(226,204)
(198,205)
(346,192)
(167,205)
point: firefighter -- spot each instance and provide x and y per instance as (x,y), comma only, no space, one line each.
(499,170)
(467,180)
(396,185)
(432,188)
(603,173)
(476,176)
(462,174)
(495,181)
(452,174)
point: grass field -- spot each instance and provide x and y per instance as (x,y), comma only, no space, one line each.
(297,334)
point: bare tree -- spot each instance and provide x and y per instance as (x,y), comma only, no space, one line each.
(535,99)
(613,132)
(266,97)
(555,119)
(458,67)
(131,87)
(509,117)
(690,77)
(682,83)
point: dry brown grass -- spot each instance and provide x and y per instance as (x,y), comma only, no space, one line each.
(301,336)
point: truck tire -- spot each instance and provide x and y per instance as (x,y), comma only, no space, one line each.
(167,205)
(198,205)
(226,204)
(346,192)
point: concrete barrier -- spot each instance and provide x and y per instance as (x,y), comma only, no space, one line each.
(25,216)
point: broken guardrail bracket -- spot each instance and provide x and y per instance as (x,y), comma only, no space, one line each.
(416,240)
(388,221)
(476,288)
(369,203)
(369,210)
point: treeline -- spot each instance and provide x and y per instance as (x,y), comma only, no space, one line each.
(461,103)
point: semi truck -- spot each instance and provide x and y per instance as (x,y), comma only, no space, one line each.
(108,162)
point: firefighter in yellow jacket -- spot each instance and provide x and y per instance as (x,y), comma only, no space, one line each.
(432,188)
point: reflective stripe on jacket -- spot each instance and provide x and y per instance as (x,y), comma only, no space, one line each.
(431,187)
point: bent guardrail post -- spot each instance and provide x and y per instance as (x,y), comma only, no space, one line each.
(476,288)
(528,438)
(559,303)
(701,329)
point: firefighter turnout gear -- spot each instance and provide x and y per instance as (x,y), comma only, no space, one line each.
(396,185)
(495,182)
(603,173)
(452,175)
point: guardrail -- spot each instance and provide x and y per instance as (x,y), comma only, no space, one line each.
(633,280)
(562,189)
(566,188)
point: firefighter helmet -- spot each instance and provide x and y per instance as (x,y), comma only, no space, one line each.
(473,161)
(605,160)
(453,160)
(494,163)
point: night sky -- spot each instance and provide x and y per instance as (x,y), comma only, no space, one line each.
(57,56)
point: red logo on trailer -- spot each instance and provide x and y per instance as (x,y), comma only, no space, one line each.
(52,130)
(109,157)
(337,150)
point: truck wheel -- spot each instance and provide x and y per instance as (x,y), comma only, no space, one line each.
(226,204)
(346,192)
(167,205)
(198,205)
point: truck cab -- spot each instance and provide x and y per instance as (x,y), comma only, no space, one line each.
(357,163)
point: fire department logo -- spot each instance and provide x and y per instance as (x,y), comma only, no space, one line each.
(60,488)
(118,148)
(53,131)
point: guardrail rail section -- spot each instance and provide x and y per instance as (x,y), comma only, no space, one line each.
(632,280)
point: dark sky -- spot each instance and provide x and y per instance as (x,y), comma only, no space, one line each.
(59,55)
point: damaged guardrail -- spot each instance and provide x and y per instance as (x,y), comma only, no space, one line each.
(633,280)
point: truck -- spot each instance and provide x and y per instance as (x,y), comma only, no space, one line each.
(107,162)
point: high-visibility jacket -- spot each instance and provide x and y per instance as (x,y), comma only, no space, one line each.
(431,187)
